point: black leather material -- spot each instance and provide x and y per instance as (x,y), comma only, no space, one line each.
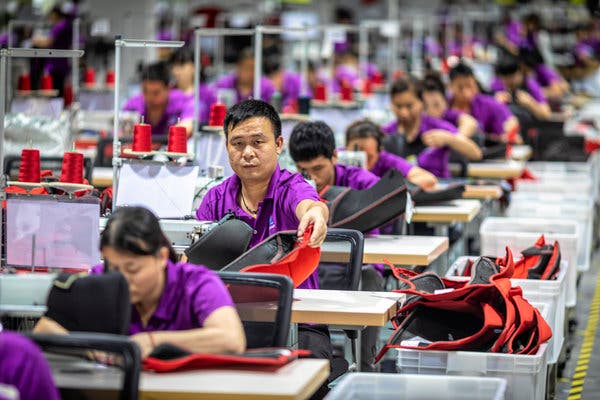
(396,144)
(221,245)
(452,192)
(90,303)
(267,252)
(365,210)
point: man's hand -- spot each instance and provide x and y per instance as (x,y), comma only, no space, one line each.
(503,97)
(313,213)
(144,342)
(436,138)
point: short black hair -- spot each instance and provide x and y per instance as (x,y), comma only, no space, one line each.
(183,55)
(432,82)
(363,129)
(271,64)
(245,53)
(310,140)
(507,66)
(461,70)
(251,108)
(156,72)
(402,85)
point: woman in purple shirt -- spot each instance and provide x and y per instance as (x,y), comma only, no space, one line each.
(23,366)
(512,86)
(161,106)
(171,302)
(287,83)
(427,140)
(242,80)
(365,135)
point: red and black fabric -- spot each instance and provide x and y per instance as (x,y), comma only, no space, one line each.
(368,209)
(423,197)
(281,253)
(541,261)
(220,246)
(167,358)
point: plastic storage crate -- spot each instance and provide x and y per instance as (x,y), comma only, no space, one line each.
(551,293)
(368,386)
(521,233)
(556,206)
(570,184)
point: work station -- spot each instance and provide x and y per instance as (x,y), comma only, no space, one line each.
(299,199)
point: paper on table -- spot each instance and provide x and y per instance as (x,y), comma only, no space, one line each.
(167,190)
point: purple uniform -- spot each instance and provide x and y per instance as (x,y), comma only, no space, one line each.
(434,160)
(545,76)
(190,295)
(531,87)
(179,106)
(514,32)
(387,161)
(277,212)
(23,366)
(291,87)
(61,36)
(582,51)
(207,97)
(490,114)
(452,116)
(230,82)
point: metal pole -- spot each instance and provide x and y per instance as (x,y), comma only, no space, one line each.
(3,64)
(417,55)
(197,68)
(116,145)
(257,61)
(8,85)
(363,53)
(394,52)
(304,65)
(75,60)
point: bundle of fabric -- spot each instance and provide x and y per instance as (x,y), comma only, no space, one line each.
(483,314)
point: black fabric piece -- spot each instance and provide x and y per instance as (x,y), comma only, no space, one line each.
(168,351)
(365,210)
(90,303)
(268,252)
(482,270)
(397,144)
(428,282)
(422,197)
(221,245)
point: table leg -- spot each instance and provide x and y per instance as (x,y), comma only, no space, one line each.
(293,336)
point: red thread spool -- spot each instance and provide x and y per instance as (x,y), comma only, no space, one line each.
(320,92)
(47,82)
(217,114)
(367,87)
(90,76)
(142,138)
(110,78)
(72,168)
(24,83)
(29,170)
(347,93)
(177,139)
(377,78)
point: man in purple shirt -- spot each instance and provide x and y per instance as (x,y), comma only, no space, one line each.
(161,106)
(23,366)
(171,302)
(495,119)
(312,147)
(267,198)
(426,140)
(513,87)
(242,80)
(287,83)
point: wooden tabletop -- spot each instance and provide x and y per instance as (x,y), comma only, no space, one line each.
(295,381)
(496,169)
(399,250)
(462,210)
(481,192)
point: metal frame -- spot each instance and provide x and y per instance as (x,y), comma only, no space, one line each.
(5,55)
(393,45)
(119,45)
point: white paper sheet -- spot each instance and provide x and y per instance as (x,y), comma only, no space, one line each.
(167,190)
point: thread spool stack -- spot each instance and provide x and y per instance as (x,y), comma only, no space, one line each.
(90,77)
(24,84)
(217,114)
(177,139)
(320,92)
(110,78)
(142,138)
(367,87)
(346,94)
(72,168)
(47,82)
(29,170)
(377,78)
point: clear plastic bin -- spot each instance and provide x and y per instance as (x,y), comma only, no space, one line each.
(550,293)
(369,386)
(521,233)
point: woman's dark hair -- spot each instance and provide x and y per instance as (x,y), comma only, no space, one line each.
(310,140)
(402,85)
(250,109)
(183,55)
(461,70)
(246,53)
(507,66)
(432,82)
(363,129)
(156,72)
(135,230)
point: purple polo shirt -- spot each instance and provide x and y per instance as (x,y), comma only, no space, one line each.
(190,295)
(229,82)
(179,106)
(277,212)
(291,87)
(387,161)
(514,32)
(531,86)
(207,96)
(434,160)
(452,116)
(61,36)
(582,51)
(545,76)
(23,366)
(490,114)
